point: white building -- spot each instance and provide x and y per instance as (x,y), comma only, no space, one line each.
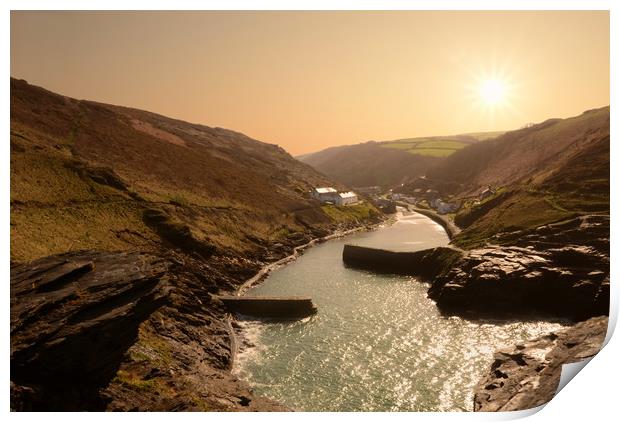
(328,194)
(325,194)
(346,198)
(486,193)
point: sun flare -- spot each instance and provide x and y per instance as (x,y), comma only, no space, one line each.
(492,91)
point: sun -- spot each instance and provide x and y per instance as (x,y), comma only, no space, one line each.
(492,91)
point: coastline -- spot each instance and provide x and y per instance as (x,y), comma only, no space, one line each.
(450,228)
(264,272)
(485,380)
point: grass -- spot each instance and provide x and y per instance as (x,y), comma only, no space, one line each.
(520,209)
(133,381)
(442,143)
(439,146)
(178,199)
(400,145)
(153,191)
(483,136)
(47,177)
(431,147)
(281,233)
(55,209)
(41,231)
(151,347)
(82,178)
(350,213)
(433,152)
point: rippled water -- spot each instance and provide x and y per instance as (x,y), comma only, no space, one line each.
(377,343)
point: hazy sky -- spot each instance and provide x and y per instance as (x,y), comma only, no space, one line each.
(309,80)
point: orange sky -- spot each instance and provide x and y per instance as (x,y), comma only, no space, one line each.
(310,80)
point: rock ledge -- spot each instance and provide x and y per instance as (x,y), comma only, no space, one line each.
(528,375)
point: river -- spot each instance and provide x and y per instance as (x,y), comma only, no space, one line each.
(377,343)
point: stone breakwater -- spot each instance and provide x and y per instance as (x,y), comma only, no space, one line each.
(427,264)
(270,307)
(528,375)
(558,270)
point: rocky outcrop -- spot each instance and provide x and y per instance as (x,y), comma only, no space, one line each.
(124,331)
(587,230)
(184,351)
(528,375)
(73,316)
(99,174)
(561,270)
(427,264)
(175,233)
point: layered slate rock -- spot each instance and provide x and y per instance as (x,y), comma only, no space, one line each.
(73,316)
(185,350)
(528,375)
(124,331)
(561,270)
(588,230)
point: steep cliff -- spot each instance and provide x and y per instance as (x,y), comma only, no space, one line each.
(123,222)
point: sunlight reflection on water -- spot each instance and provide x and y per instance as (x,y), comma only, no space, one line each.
(378,343)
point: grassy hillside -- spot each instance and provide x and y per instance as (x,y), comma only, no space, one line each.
(90,175)
(550,172)
(515,156)
(388,163)
(369,164)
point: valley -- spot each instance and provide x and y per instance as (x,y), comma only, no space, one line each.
(126,225)
(198,210)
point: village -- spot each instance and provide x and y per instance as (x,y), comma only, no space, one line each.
(387,200)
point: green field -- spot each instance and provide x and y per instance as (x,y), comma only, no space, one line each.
(438,146)
(427,146)
(483,136)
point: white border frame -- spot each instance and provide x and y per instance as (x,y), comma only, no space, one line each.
(590,395)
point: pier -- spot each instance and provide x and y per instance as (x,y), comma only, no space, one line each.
(269,306)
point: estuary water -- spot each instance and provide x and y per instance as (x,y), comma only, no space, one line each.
(377,343)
